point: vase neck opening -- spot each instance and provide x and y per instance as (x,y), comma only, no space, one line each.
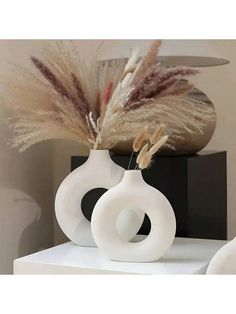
(133,176)
(99,151)
(99,154)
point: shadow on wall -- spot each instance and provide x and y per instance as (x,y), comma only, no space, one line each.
(21,229)
(26,201)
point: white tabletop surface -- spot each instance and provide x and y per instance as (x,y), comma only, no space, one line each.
(186,256)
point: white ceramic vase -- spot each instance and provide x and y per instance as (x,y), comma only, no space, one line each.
(224,261)
(99,171)
(133,193)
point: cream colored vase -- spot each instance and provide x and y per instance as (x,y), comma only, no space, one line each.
(99,171)
(133,193)
(224,261)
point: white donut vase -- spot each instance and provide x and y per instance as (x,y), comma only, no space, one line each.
(224,261)
(99,171)
(133,192)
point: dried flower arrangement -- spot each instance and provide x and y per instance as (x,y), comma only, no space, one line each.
(147,145)
(96,105)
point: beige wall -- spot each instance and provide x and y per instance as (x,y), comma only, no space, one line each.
(26,183)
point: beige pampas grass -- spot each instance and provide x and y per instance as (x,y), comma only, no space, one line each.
(179,114)
(139,139)
(145,160)
(130,65)
(99,104)
(182,88)
(154,149)
(148,60)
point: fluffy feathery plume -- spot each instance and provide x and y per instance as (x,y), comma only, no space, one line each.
(80,93)
(178,71)
(148,60)
(50,77)
(142,152)
(101,103)
(59,88)
(92,123)
(139,139)
(144,157)
(157,134)
(107,93)
(158,145)
(145,160)
(47,107)
(156,82)
(170,78)
(179,115)
(130,65)
(33,126)
(106,97)
(182,87)
(138,92)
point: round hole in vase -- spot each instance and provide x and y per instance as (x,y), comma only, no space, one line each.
(134,215)
(133,192)
(146,226)
(89,200)
(99,171)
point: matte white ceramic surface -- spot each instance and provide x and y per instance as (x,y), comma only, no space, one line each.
(133,193)
(224,261)
(99,171)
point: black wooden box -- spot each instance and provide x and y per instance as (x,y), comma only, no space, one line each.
(196,187)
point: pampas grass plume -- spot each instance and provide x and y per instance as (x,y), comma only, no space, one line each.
(139,139)
(158,145)
(148,60)
(102,104)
